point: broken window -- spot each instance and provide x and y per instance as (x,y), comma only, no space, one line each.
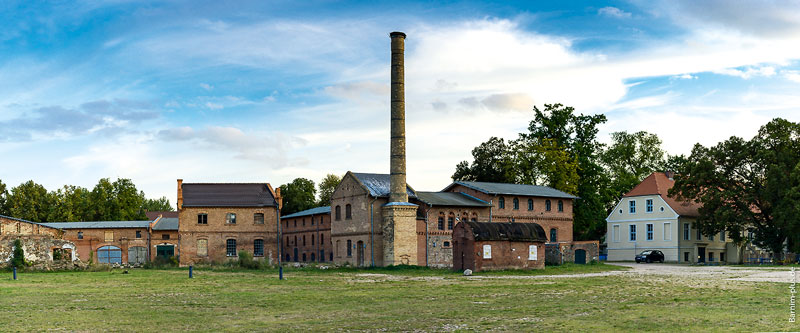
(258,218)
(230,218)
(258,248)
(230,248)
(138,234)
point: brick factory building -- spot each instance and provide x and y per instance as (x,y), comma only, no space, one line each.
(307,235)
(218,220)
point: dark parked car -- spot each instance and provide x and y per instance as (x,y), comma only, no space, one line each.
(650,256)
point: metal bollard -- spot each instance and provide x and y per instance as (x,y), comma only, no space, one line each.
(280,272)
(15,272)
(191,270)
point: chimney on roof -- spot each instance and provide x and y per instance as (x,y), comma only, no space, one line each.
(180,194)
(278,197)
(670,174)
(397,157)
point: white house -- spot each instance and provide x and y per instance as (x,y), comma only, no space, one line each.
(648,219)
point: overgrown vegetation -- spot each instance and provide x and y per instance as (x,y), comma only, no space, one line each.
(18,259)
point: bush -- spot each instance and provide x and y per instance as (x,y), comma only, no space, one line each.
(18,260)
(246,261)
(161,262)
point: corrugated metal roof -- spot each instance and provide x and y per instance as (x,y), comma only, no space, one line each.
(312,211)
(166,223)
(378,184)
(450,199)
(227,195)
(493,231)
(98,224)
(514,189)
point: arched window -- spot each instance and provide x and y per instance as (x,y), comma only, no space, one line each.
(338,213)
(312,239)
(295,240)
(258,248)
(287,240)
(349,248)
(230,247)
(450,219)
(560,206)
(313,258)
(109,254)
(304,240)
(441,221)
(322,240)
(553,235)
(547,205)
(516,204)
(530,204)
(502,203)
(474,217)
(348,212)
(288,257)
(465,217)
(304,257)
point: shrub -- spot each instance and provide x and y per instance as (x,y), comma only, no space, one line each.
(18,260)
(246,261)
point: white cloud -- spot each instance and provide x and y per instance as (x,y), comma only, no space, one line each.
(613,12)
(791,75)
(748,72)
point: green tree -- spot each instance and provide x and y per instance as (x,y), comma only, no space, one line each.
(298,196)
(70,203)
(326,188)
(3,199)
(746,186)
(493,161)
(544,162)
(117,201)
(629,159)
(157,205)
(29,201)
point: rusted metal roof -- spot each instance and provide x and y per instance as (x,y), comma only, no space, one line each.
(508,231)
(227,195)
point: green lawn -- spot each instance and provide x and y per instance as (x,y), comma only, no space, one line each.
(396,299)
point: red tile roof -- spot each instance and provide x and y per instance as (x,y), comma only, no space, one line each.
(659,184)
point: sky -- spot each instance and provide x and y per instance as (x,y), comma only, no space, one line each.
(269,91)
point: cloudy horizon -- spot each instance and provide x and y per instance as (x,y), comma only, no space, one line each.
(210,92)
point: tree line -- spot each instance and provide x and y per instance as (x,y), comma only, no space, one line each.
(107,201)
(301,194)
(746,187)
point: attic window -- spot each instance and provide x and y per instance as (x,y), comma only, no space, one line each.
(662,208)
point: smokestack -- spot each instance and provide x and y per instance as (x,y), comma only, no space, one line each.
(397,159)
(180,194)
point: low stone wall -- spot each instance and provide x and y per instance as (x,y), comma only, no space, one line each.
(38,248)
(560,253)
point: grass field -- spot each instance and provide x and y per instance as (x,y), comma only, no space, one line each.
(394,299)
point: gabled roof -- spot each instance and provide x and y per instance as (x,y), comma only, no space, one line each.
(312,211)
(227,195)
(378,184)
(513,189)
(659,184)
(493,231)
(451,199)
(166,224)
(98,224)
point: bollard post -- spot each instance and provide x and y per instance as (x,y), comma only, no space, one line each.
(280,272)
(15,272)
(191,269)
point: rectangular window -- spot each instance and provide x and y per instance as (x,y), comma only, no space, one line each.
(202,247)
(164,236)
(649,231)
(109,236)
(258,218)
(616,233)
(649,205)
(686,256)
(138,234)
(711,256)
(349,248)
(450,222)
(722,236)
(632,207)
(441,223)
(312,220)
(633,232)
(667,231)
(686,233)
(722,256)
(230,248)
(80,234)
(533,252)
(230,218)
(487,251)
(699,235)
(202,218)
(258,248)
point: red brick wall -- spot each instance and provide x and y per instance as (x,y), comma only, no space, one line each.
(295,229)
(358,228)
(93,239)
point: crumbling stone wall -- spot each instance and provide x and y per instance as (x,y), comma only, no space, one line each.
(38,248)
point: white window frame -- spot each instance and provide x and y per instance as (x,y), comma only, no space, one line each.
(648,206)
(487,251)
(722,235)
(650,232)
(667,231)
(632,233)
(533,252)
(632,207)
(687,231)
(615,233)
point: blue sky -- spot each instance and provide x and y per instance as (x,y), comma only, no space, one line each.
(271,91)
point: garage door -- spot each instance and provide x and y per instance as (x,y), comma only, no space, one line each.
(137,255)
(109,255)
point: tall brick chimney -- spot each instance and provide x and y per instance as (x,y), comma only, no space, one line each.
(397,161)
(180,194)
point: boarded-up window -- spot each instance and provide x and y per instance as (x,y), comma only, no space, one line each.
(202,247)
(533,252)
(258,218)
(109,236)
(487,251)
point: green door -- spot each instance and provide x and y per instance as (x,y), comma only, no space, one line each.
(580,256)
(165,251)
